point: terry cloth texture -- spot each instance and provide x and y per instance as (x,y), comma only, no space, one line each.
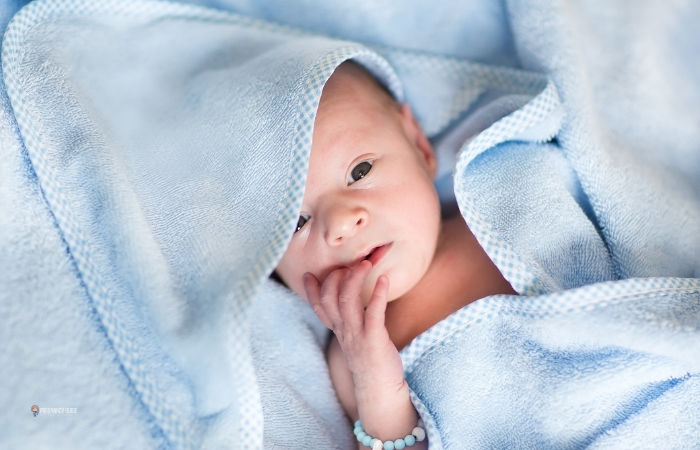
(153,165)
(169,143)
(610,365)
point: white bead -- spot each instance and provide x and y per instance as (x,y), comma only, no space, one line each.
(418,433)
(378,445)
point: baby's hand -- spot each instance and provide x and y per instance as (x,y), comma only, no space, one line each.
(371,355)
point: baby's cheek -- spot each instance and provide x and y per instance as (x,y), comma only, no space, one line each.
(289,277)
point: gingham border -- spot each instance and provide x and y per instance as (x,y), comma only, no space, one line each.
(167,419)
(290,205)
(469,80)
(586,298)
(508,262)
(172,425)
(431,429)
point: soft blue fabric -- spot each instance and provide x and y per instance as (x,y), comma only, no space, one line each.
(470,29)
(153,164)
(54,351)
(610,365)
(169,143)
(299,404)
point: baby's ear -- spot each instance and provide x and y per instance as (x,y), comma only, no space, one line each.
(415,134)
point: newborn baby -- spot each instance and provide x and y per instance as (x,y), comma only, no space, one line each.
(371,253)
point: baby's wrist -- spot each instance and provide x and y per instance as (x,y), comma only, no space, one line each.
(380,373)
(386,412)
(374,386)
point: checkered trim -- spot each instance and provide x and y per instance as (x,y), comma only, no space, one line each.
(167,419)
(500,252)
(429,425)
(308,104)
(587,298)
(467,79)
(175,428)
(291,203)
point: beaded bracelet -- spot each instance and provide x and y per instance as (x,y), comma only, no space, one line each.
(417,435)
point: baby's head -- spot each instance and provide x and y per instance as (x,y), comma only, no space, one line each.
(369,190)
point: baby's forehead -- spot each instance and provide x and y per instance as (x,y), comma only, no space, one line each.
(351,82)
(353,107)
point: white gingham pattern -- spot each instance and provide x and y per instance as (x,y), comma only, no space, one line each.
(431,429)
(508,262)
(586,298)
(470,81)
(167,419)
(467,80)
(172,425)
(291,204)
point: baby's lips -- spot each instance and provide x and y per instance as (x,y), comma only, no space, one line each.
(379,252)
(357,265)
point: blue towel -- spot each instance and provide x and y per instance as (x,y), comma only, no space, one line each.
(168,143)
(153,164)
(613,364)
(610,365)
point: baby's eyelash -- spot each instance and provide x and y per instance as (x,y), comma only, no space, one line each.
(301,222)
(359,171)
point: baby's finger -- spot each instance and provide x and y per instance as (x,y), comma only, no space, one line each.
(376,309)
(349,300)
(329,296)
(313,295)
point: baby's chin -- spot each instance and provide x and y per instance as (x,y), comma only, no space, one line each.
(398,286)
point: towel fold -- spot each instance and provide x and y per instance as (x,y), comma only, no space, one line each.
(169,143)
(153,165)
(604,366)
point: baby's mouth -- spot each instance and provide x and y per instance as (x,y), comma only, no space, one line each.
(375,255)
(378,253)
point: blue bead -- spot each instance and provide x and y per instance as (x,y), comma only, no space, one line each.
(366,440)
(388,445)
(358,423)
(399,444)
(410,440)
(361,435)
(371,443)
(357,430)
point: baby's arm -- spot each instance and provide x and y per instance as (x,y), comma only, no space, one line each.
(342,379)
(371,362)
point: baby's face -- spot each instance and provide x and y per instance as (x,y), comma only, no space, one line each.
(369,190)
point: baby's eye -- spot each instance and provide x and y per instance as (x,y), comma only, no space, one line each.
(302,221)
(359,171)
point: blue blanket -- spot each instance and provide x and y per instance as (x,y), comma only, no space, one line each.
(610,365)
(151,171)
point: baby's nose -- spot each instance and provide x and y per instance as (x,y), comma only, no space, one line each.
(344,223)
